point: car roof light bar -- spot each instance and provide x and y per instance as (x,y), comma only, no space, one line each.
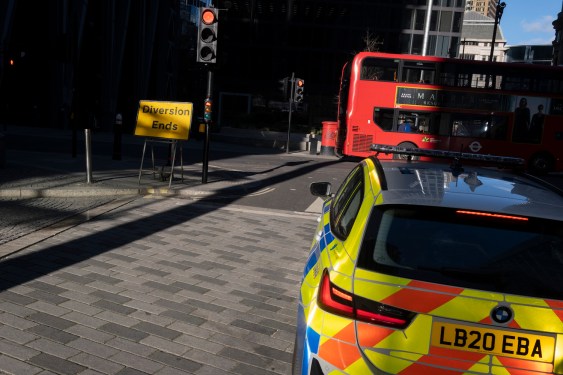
(504,160)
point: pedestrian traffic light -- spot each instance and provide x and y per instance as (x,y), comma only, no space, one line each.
(283,87)
(207,110)
(207,35)
(298,90)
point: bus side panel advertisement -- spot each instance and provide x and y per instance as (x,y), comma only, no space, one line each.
(452,99)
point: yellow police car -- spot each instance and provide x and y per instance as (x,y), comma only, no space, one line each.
(423,267)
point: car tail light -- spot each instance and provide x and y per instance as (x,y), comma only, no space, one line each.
(336,300)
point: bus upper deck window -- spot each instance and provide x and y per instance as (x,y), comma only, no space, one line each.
(419,72)
(379,69)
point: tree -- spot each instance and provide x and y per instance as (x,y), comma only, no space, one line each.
(372,42)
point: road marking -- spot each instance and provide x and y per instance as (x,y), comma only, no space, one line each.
(226,169)
(261,192)
(260,211)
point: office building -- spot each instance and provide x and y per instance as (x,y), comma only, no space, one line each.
(443,32)
(476,38)
(485,7)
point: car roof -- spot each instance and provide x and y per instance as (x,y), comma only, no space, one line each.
(471,187)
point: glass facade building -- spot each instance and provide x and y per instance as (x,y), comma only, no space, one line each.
(444,29)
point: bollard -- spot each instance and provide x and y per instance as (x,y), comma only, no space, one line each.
(88,141)
(117,131)
(313,144)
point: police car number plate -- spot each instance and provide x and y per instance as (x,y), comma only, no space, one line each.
(493,341)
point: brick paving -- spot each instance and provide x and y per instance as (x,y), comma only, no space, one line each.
(19,217)
(157,286)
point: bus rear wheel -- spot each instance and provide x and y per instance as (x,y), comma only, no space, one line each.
(407,145)
(541,163)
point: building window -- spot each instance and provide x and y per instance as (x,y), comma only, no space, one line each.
(434,21)
(446,21)
(454,47)
(431,48)
(417,44)
(404,41)
(442,45)
(457,22)
(419,20)
(407,19)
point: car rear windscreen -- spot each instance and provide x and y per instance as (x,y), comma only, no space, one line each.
(469,249)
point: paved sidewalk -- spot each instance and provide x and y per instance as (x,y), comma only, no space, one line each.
(107,282)
(31,174)
(44,190)
(157,286)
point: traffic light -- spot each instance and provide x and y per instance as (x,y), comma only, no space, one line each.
(12,60)
(207,35)
(207,110)
(298,90)
(284,86)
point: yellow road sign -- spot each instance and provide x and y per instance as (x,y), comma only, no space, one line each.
(170,120)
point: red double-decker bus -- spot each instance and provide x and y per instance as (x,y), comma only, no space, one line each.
(461,105)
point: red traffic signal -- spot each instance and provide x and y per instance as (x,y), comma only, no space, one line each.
(299,87)
(208,16)
(207,35)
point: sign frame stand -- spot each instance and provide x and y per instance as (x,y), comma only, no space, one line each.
(174,143)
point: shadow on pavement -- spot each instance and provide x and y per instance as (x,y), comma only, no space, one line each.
(18,269)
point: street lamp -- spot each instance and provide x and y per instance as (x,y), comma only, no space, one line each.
(498,15)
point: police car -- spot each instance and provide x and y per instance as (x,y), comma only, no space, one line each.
(424,267)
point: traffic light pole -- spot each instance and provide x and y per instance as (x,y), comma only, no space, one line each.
(292,80)
(207,53)
(207,121)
